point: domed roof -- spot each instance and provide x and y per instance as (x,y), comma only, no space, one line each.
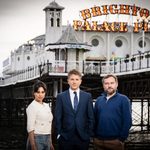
(53,5)
(37,41)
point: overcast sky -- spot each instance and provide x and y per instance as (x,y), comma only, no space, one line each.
(22,20)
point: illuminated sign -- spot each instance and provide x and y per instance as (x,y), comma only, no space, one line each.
(97,11)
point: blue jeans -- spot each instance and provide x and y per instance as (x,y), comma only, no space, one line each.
(42,142)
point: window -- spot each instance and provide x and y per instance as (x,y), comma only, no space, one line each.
(62,54)
(58,22)
(141,43)
(52,22)
(95,42)
(28,57)
(57,55)
(118,43)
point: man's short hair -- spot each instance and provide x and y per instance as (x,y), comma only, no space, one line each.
(108,76)
(74,71)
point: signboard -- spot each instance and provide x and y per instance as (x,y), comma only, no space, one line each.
(142,21)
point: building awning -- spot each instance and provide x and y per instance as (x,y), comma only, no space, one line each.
(53,47)
(100,58)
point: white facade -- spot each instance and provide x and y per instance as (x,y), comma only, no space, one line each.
(63,43)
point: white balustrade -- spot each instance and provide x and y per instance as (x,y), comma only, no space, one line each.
(119,67)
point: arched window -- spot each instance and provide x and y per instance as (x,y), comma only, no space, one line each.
(58,22)
(52,22)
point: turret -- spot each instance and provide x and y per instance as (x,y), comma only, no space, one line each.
(53,14)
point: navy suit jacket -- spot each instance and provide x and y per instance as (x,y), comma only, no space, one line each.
(67,120)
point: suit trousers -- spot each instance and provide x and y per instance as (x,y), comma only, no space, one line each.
(108,144)
(74,143)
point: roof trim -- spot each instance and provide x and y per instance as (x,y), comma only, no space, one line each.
(53,5)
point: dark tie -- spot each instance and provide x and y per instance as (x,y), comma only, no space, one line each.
(75,101)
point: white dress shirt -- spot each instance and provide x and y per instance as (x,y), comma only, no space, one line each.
(39,118)
(71,92)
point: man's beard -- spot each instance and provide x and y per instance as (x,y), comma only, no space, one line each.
(110,92)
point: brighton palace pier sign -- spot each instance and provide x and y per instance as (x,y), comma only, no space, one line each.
(96,11)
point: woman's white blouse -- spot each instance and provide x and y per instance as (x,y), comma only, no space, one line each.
(39,118)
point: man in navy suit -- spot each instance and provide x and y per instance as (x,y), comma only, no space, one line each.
(74,115)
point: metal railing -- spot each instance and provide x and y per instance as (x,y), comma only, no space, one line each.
(121,66)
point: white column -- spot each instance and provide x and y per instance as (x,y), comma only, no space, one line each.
(143,37)
(84,36)
(131,23)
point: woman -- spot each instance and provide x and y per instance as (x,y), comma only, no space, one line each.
(39,120)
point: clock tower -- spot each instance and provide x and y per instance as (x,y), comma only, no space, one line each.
(53,14)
